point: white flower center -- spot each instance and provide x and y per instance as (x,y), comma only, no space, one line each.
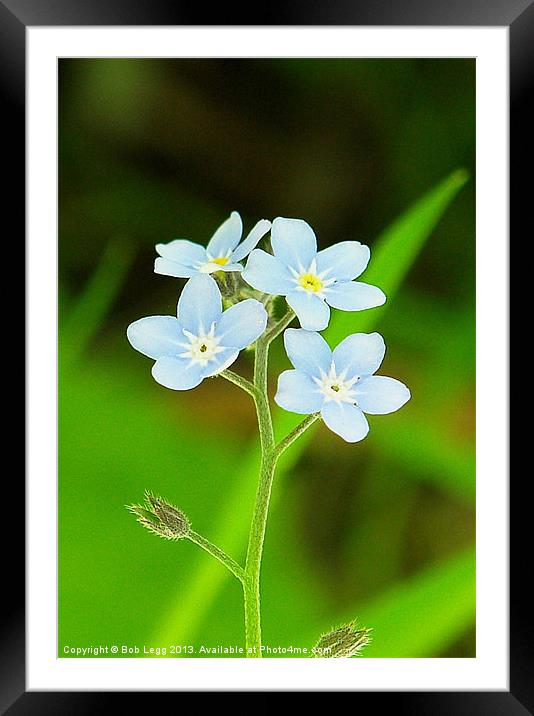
(310,280)
(337,387)
(201,348)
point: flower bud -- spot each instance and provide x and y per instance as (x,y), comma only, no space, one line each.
(343,642)
(160,517)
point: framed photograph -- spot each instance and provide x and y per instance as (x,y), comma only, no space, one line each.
(267,355)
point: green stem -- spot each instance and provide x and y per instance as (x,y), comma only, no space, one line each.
(236,379)
(270,452)
(230,564)
(267,299)
(251,584)
(284,322)
(295,433)
(269,456)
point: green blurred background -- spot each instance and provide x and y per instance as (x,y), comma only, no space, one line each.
(152,150)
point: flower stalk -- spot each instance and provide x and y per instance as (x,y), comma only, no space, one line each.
(212,549)
(270,452)
(296,433)
(234,310)
(241,382)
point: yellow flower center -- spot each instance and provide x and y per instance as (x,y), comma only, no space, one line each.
(222,261)
(310,282)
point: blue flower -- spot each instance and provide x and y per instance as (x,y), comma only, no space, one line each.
(183,259)
(311,280)
(339,384)
(202,341)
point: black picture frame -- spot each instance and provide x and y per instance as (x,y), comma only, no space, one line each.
(15,17)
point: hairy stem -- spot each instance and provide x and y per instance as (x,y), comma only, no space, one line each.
(283,323)
(238,380)
(290,438)
(251,584)
(270,452)
(230,564)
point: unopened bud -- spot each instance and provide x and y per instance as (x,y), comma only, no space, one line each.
(343,642)
(160,517)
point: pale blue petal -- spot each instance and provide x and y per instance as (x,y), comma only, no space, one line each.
(231,267)
(155,336)
(312,311)
(354,296)
(343,261)
(293,242)
(346,420)
(265,273)
(359,354)
(227,236)
(297,393)
(241,324)
(213,268)
(308,351)
(171,268)
(221,361)
(177,373)
(183,252)
(210,268)
(200,304)
(379,394)
(252,240)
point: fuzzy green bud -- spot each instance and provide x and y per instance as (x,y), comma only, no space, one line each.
(160,517)
(343,642)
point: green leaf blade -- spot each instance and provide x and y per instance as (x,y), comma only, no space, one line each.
(424,615)
(395,252)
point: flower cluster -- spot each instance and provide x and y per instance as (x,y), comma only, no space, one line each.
(203,340)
